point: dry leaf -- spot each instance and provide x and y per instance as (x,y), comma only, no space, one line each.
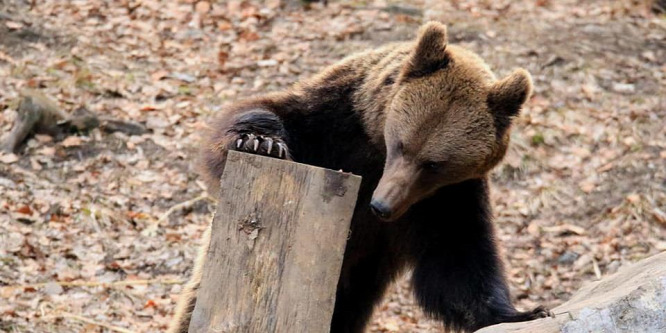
(224,26)
(150,304)
(222,57)
(534,229)
(72,141)
(272,4)
(249,36)
(34,164)
(46,151)
(202,7)
(24,210)
(633,198)
(159,74)
(12,25)
(659,215)
(233,7)
(42,138)
(587,186)
(8,158)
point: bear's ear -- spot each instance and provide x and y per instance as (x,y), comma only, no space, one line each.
(430,53)
(507,96)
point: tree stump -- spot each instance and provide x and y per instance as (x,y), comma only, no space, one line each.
(276,249)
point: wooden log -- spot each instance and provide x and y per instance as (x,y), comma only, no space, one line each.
(36,113)
(276,248)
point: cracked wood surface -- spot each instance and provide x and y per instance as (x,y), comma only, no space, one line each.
(277,244)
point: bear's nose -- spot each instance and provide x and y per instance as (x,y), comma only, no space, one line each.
(380,209)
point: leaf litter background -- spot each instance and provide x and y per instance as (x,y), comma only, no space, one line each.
(581,193)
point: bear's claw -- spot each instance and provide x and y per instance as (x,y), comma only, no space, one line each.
(282,150)
(542,312)
(261,145)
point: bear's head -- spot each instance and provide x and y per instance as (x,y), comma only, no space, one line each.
(448,121)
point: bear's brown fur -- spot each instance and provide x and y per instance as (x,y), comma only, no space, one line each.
(423,122)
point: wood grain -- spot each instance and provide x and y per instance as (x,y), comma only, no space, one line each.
(277,244)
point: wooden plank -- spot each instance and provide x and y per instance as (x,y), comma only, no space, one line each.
(276,249)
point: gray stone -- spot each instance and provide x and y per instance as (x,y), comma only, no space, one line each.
(631,300)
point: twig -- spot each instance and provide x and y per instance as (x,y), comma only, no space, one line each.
(152,228)
(92,322)
(4,56)
(182,205)
(94,284)
(595,267)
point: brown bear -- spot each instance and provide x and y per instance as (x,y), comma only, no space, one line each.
(423,122)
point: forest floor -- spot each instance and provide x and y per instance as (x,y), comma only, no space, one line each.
(581,193)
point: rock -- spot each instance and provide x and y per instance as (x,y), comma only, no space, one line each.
(631,300)
(568,258)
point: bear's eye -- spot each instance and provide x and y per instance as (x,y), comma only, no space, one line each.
(432,166)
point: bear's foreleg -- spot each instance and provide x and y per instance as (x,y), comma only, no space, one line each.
(361,286)
(458,277)
(180,322)
(465,292)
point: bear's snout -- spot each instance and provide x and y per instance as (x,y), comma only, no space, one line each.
(394,193)
(380,209)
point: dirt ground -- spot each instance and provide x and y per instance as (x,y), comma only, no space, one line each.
(581,193)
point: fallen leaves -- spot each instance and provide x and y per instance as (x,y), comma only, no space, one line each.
(579,195)
(12,25)
(72,141)
(659,215)
(8,158)
(202,7)
(634,198)
(24,210)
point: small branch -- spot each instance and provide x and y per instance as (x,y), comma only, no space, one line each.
(94,284)
(111,125)
(152,228)
(4,56)
(93,322)
(183,205)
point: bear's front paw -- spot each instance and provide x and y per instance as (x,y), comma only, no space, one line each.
(541,312)
(261,145)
